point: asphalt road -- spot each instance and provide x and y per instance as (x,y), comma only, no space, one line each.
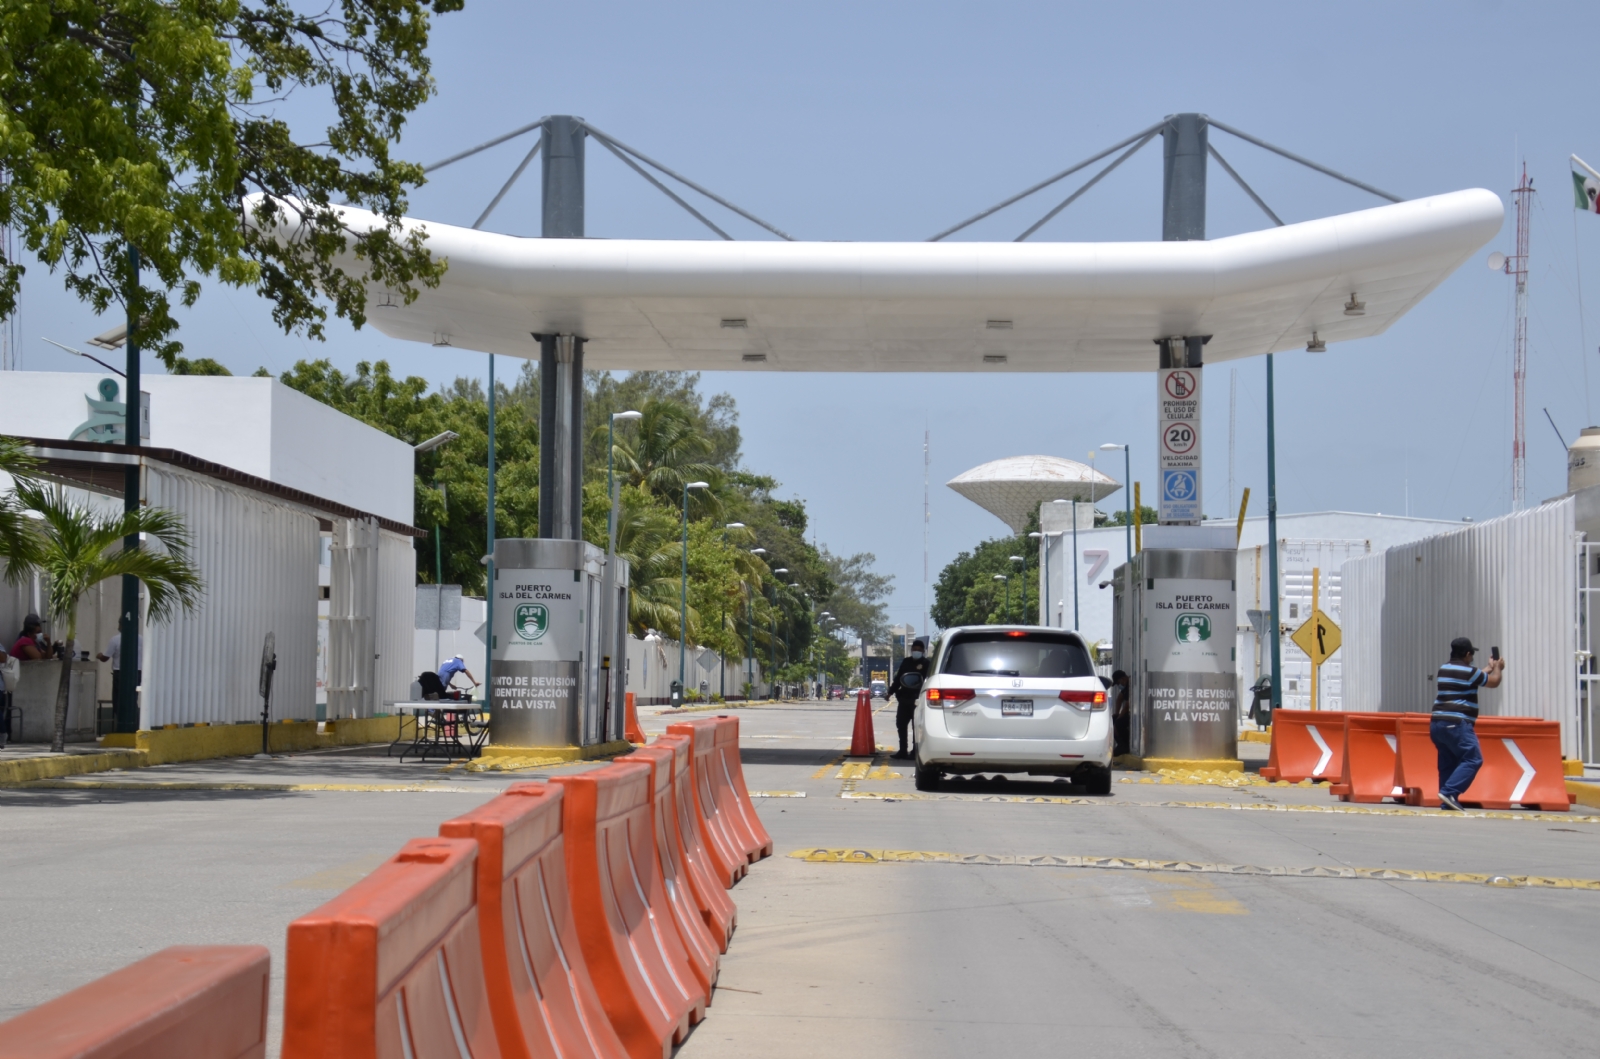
(1010,947)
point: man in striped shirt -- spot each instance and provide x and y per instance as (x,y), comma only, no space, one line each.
(1455,711)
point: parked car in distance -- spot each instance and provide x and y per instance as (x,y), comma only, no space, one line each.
(836,691)
(880,689)
(1014,698)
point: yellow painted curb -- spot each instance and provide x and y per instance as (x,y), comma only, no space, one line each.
(1586,793)
(54,766)
(1256,737)
(1176,764)
(165,745)
(714,707)
(552,755)
(1570,767)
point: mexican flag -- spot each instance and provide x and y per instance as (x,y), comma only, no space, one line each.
(1586,192)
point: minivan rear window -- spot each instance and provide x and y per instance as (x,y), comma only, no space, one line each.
(1003,654)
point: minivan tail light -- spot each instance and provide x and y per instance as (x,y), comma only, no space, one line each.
(1095,699)
(942,698)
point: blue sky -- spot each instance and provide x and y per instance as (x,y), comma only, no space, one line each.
(868,120)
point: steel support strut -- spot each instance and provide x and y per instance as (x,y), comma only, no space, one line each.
(561,355)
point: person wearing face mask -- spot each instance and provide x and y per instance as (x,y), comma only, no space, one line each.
(905,688)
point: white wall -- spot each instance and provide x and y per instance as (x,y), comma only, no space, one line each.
(258,426)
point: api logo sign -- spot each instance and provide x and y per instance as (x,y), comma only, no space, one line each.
(1193,628)
(533,620)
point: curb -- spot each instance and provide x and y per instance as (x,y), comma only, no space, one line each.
(1584,793)
(55,766)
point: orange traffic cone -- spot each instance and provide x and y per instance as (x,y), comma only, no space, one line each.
(862,741)
(630,721)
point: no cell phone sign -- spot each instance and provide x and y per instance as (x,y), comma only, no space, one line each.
(1180,385)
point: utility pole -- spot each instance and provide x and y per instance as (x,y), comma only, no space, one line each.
(1517,268)
(925,519)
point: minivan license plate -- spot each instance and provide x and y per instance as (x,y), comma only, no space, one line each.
(1016,707)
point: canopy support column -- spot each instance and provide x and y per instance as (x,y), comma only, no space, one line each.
(561,355)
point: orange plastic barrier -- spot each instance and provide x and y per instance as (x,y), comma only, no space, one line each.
(619,902)
(702,948)
(733,776)
(1521,765)
(1306,744)
(1371,744)
(726,852)
(542,1000)
(863,741)
(195,1001)
(391,968)
(736,814)
(631,730)
(717,908)
(1416,761)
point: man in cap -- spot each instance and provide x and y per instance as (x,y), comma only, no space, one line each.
(1455,712)
(451,667)
(905,688)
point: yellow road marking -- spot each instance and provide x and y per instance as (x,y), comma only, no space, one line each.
(1348,810)
(201,785)
(908,856)
(777,794)
(822,773)
(853,770)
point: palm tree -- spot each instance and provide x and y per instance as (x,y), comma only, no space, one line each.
(668,450)
(78,548)
(647,537)
(18,545)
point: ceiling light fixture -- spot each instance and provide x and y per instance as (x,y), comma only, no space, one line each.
(994,358)
(737,322)
(1316,345)
(998,325)
(754,358)
(1353,307)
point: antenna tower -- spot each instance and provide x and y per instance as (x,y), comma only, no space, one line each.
(1517,267)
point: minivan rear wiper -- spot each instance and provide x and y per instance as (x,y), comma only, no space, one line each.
(993,672)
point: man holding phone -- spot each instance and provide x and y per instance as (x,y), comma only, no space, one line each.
(1455,713)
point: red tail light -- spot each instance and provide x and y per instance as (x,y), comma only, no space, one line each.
(940,698)
(1095,699)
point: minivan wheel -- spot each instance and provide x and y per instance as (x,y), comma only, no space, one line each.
(926,777)
(1097,780)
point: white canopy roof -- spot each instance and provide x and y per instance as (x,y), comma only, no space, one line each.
(684,304)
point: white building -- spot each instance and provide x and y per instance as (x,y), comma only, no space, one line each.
(1320,541)
(299,518)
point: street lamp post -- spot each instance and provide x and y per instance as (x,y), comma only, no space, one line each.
(1006,614)
(613,497)
(438,537)
(723,675)
(1022,588)
(773,617)
(1127,492)
(750,632)
(683,589)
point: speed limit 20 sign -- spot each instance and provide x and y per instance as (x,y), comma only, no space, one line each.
(1178,397)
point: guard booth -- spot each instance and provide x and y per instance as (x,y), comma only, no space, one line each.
(1173,609)
(558,649)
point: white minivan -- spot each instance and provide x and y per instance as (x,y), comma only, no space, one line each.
(1014,698)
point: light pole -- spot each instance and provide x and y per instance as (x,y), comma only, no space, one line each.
(1022,588)
(750,632)
(1127,491)
(1272,541)
(1006,614)
(723,675)
(1075,560)
(683,588)
(613,497)
(828,614)
(438,534)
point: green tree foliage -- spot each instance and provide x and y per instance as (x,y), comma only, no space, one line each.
(858,600)
(967,593)
(18,543)
(144,124)
(737,600)
(1148,516)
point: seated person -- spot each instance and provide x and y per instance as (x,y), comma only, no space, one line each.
(432,686)
(33,645)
